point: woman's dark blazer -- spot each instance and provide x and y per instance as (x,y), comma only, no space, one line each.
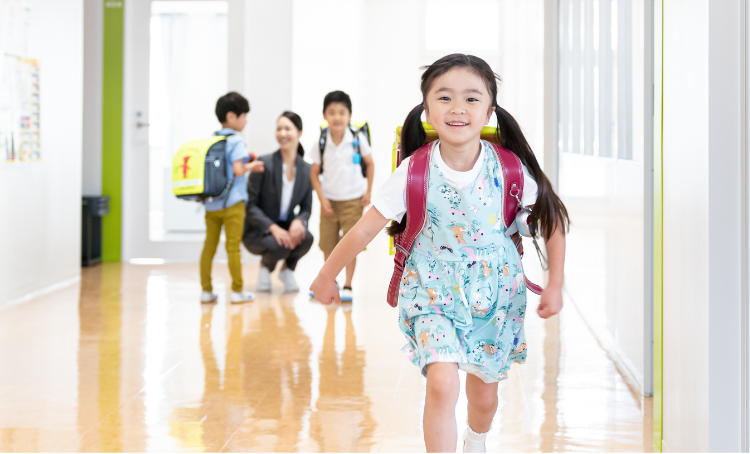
(264,195)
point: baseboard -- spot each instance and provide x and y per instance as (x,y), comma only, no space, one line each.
(630,374)
(40,292)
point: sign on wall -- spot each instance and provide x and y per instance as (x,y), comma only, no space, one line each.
(20,126)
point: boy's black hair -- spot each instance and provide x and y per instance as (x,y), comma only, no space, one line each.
(231,102)
(337,96)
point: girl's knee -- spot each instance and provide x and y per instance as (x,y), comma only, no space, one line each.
(442,382)
(482,396)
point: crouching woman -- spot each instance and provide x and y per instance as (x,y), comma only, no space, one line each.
(272,228)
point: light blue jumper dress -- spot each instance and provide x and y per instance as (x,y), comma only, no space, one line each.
(462,297)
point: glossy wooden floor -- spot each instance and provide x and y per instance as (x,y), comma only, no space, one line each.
(130,361)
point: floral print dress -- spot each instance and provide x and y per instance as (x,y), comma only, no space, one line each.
(462,294)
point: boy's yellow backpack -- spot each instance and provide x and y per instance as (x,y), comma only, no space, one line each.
(199,170)
(355,128)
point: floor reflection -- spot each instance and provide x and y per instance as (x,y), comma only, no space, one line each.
(99,361)
(132,363)
(550,427)
(342,421)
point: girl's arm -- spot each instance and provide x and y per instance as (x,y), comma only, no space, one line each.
(551,301)
(324,286)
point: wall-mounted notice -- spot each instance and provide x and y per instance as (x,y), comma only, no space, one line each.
(20,126)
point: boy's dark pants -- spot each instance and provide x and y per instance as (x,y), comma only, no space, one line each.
(265,245)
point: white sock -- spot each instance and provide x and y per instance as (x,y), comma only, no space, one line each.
(474,442)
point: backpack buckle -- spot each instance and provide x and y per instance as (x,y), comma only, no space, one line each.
(513,187)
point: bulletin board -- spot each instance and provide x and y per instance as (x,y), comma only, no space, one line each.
(20,122)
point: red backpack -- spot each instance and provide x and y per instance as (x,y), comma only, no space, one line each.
(418,176)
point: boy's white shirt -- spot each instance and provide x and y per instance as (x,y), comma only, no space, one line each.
(341,179)
(390,200)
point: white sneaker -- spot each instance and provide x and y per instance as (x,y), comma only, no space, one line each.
(264,280)
(477,445)
(208,297)
(287,277)
(346,295)
(241,297)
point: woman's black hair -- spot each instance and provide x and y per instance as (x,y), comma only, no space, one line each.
(549,212)
(297,122)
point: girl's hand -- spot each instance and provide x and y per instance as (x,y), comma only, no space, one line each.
(325,290)
(551,302)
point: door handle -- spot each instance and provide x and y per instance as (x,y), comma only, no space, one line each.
(140,125)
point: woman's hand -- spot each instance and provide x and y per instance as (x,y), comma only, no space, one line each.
(281,236)
(551,301)
(297,232)
(325,290)
(325,207)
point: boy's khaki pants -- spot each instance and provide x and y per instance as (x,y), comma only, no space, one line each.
(233,219)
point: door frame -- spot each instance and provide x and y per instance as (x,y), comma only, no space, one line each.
(136,242)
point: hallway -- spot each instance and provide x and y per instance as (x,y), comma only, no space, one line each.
(129,361)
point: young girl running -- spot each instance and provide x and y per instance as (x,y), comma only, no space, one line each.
(462,295)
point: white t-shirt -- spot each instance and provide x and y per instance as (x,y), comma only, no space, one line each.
(287,188)
(390,200)
(341,179)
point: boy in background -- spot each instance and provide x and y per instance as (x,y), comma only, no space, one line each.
(343,191)
(231,111)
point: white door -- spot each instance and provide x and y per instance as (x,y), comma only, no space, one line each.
(176,65)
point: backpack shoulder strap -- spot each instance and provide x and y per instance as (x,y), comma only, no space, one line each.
(355,138)
(512,169)
(322,142)
(322,145)
(417,179)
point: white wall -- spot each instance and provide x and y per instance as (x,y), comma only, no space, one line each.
(703,170)
(603,191)
(727,157)
(40,236)
(93,48)
(685,312)
(267,69)
(328,56)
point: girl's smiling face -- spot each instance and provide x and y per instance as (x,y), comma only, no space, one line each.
(458,105)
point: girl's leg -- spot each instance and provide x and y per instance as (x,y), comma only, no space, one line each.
(482,403)
(440,407)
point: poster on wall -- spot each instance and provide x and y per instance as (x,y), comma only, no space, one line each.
(20,125)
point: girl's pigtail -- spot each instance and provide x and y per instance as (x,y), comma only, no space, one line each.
(413,138)
(549,212)
(412,133)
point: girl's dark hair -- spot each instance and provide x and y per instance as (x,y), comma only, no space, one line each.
(297,121)
(549,212)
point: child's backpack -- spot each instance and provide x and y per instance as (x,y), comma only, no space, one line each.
(355,128)
(199,170)
(418,176)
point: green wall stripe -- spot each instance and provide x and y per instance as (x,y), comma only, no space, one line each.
(112,76)
(658,222)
